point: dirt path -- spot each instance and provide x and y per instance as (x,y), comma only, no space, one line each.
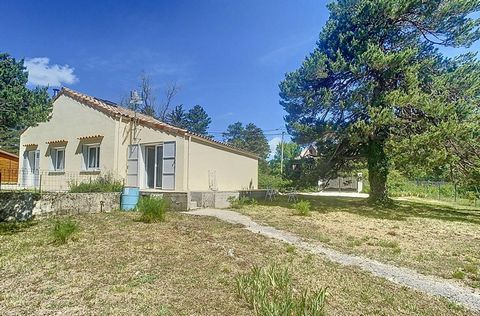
(403,276)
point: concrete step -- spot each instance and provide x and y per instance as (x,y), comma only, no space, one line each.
(193,205)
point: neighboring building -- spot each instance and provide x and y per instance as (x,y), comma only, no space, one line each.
(308,152)
(8,167)
(87,136)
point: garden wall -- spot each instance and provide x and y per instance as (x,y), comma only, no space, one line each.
(25,205)
(179,201)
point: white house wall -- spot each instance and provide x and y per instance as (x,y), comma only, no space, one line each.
(69,121)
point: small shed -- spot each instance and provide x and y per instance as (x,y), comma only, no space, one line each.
(8,167)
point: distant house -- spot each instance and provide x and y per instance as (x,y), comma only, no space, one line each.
(8,167)
(309,152)
(88,136)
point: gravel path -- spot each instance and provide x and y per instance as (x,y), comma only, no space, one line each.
(403,276)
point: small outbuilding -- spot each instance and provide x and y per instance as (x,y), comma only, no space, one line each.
(8,167)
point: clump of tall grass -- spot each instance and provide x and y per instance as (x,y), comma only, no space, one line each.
(238,203)
(103,183)
(268,291)
(302,208)
(63,230)
(152,209)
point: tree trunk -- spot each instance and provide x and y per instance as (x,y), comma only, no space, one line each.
(377,171)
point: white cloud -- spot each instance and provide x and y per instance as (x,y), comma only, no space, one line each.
(273,145)
(42,73)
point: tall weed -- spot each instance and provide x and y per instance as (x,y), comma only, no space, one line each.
(152,209)
(268,291)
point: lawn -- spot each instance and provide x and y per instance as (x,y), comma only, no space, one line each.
(116,265)
(436,239)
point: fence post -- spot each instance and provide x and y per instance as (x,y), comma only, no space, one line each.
(439,197)
(455,188)
(40,185)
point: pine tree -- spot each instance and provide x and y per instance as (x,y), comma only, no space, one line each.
(198,120)
(20,107)
(177,117)
(250,138)
(377,77)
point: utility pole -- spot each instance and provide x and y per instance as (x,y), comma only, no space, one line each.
(281,159)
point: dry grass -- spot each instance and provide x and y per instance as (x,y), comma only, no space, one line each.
(184,266)
(431,239)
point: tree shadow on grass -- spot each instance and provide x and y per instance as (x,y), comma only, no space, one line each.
(399,210)
(10,228)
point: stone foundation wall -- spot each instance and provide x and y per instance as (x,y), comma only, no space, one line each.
(179,201)
(25,205)
(218,199)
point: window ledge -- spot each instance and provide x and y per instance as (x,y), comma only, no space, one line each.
(55,172)
(90,172)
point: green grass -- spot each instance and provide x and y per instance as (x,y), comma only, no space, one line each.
(458,274)
(119,266)
(270,291)
(238,203)
(432,238)
(9,228)
(302,208)
(152,209)
(63,230)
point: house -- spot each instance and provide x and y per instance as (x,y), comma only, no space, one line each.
(8,167)
(88,136)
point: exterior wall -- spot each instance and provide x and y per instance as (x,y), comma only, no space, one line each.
(8,168)
(71,120)
(199,165)
(213,168)
(150,136)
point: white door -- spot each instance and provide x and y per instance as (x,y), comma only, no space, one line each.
(30,169)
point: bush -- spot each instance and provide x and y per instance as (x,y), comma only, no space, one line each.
(103,183)
(63,230)
(152,209)
(269,291)
(239,203)
(302,208)
(268,180)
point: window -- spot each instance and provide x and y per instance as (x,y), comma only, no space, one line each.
(58,159)
(93,157)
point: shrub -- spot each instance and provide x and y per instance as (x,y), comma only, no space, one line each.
(103,183)
(63,230)
(269,291)
(302,208)
(239,203)
(152,209)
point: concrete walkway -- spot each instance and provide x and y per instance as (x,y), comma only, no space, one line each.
(403,276)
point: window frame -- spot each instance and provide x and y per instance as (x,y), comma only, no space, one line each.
(55,159)
(97,157)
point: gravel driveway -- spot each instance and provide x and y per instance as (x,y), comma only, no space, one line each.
(403,276)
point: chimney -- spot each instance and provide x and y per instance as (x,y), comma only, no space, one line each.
(55,91)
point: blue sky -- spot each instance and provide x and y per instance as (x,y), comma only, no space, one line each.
(227,56)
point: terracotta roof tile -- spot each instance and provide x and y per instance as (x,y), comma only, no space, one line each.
(111,108)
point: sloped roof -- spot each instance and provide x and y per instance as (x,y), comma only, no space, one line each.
(7,153)
(111,108)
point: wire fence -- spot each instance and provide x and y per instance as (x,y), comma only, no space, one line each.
(43,180)
(436,190)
